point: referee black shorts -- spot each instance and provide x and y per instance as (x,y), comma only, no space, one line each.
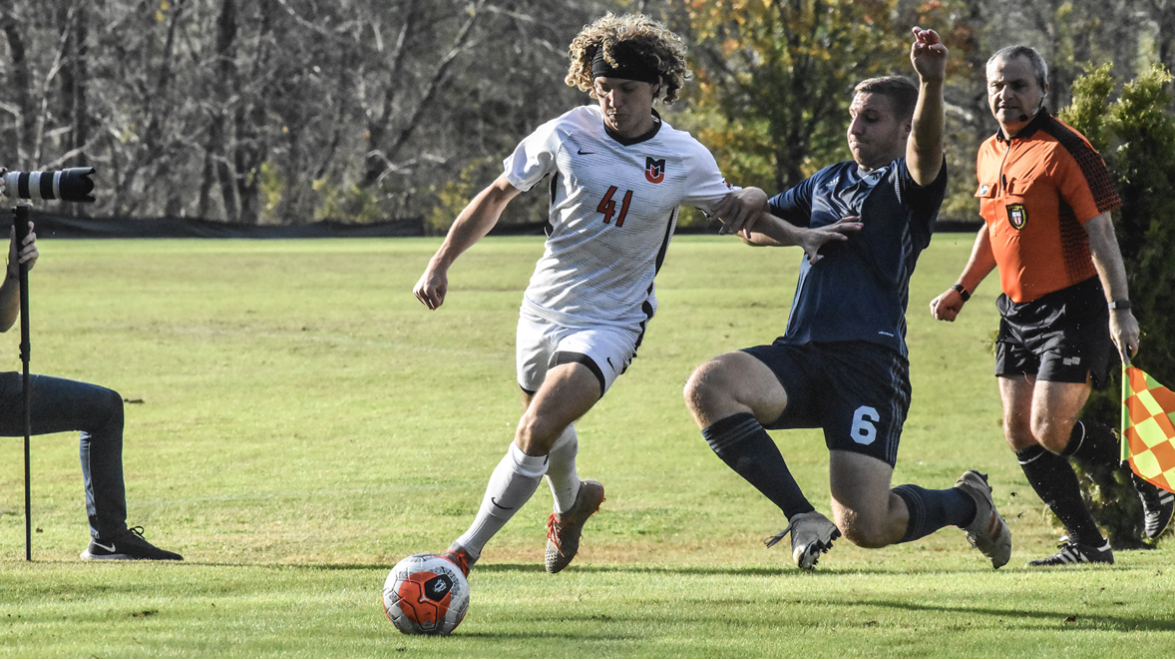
(857,392)
(1063,336)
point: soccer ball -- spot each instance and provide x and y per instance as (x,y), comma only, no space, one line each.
(426,594)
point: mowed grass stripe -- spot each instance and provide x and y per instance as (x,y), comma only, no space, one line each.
(304,423)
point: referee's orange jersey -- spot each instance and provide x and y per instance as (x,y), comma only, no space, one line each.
(1035,193)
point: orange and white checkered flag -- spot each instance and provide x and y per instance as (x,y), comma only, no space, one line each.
(1148,428)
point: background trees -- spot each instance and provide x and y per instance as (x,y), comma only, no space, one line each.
(286,111)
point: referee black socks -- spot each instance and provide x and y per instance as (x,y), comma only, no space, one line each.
(1053,479)
(1093,442)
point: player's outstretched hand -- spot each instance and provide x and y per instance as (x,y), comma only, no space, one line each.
(928,55)
(947,305)
(739,210)
(432,286)
(812,240)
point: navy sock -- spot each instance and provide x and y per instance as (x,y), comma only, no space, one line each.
(1055,482)
(1095,443)
(931,510)
(745,446)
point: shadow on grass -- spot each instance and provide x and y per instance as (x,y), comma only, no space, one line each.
(1069,619)
(767,569)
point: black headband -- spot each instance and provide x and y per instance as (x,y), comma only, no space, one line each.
(629,65)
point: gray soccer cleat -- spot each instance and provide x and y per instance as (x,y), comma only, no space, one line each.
(564,529)
(987,532)
(811,534)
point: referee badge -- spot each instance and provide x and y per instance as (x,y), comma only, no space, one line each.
(1017,215)
(654,170)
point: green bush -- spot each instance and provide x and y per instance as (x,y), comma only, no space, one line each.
(1136,136)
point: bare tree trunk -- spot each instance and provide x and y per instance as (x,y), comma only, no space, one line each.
(381,156)
(20,88)
(251,148)
(73,82)
(154,112)
(216,164)
(1163,13)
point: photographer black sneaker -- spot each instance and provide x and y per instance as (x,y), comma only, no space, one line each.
(128,546)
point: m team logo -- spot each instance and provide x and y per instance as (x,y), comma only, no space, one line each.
(1017,216)
(654,170)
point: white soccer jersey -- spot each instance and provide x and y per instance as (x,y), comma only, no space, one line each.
(613,209)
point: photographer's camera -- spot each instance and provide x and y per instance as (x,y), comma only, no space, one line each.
(69,185)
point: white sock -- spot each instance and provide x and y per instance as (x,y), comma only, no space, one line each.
(511,484)
(561,475)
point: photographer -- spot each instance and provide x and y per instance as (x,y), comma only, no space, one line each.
(60,405)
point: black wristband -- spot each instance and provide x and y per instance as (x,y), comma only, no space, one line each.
(1120,305)
(962,291)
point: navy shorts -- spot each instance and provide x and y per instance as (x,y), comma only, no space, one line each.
(857,392)
(1063,336)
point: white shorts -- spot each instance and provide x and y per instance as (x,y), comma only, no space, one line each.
(542,344)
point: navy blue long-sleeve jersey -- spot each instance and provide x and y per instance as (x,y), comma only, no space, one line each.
(859,290)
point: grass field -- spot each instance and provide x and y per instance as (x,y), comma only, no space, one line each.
(298,422)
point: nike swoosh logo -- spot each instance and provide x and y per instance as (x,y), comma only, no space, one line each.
(583,153)
(491,500)
(103,546)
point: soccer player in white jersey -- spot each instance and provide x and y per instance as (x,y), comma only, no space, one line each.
(617,174)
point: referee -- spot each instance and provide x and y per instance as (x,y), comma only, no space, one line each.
(1046,196)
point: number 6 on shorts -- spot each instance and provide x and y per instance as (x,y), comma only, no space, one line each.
(863,430)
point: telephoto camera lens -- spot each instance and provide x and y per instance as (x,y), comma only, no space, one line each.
(69,185)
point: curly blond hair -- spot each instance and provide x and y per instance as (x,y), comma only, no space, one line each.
(652,39)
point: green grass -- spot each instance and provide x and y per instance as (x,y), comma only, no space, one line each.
(300,423)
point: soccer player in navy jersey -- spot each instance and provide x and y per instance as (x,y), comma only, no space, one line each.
(616,175)
(841,364)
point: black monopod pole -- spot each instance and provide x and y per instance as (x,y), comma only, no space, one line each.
(20,221)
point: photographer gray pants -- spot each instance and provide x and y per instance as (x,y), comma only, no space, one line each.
(60,405)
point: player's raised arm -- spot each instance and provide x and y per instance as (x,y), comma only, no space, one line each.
(925,146)
(474,222)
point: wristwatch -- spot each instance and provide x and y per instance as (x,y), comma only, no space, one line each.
(963,292)
(1120,305)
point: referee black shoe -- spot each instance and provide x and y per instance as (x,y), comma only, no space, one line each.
(1073,553)
(1158,506)
(130,545)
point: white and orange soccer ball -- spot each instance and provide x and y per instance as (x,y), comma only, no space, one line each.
(426,594)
